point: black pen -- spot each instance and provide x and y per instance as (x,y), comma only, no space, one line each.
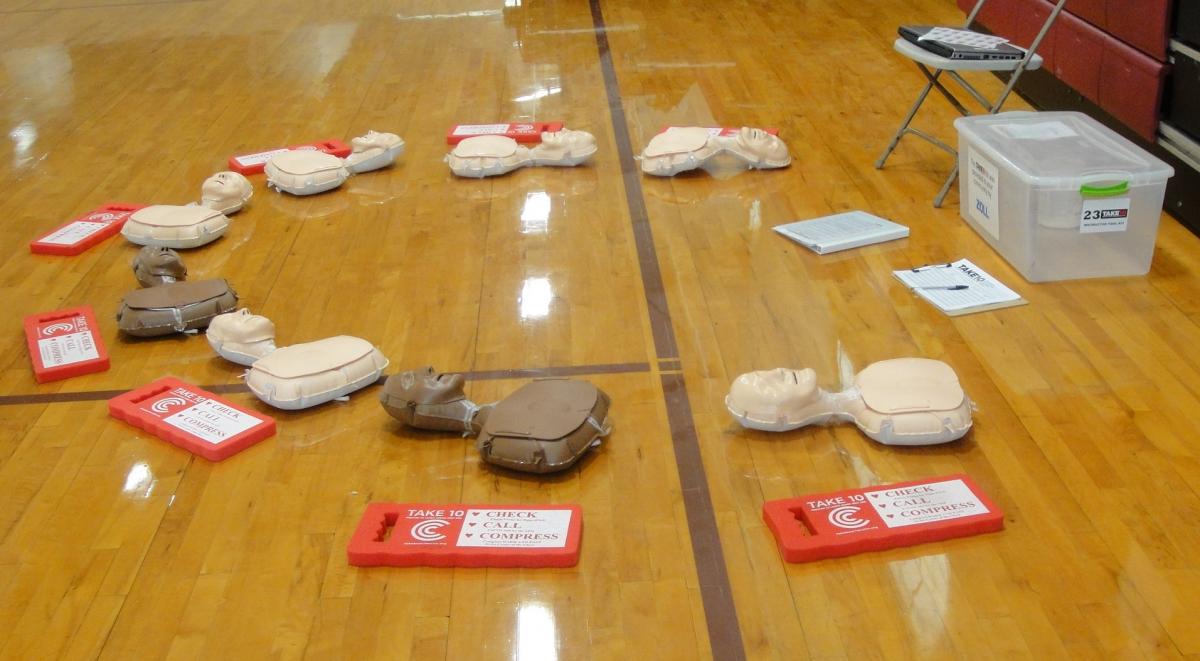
(948,287)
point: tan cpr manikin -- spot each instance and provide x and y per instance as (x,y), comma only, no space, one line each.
(192,225)
(490,155)
(544,426)
(905,401)
(300,375)
(682,148)
(308,172)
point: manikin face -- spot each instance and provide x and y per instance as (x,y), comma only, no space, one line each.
(569,139)
(226,187)
(425,386)
(373,140)
(769,392)
(763,143)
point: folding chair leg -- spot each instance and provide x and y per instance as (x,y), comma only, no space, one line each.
(912,112)
(941,196)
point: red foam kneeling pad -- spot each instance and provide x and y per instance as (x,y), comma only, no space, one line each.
(723,131)
(520,131)
(426,535)
(65,343)
(84,232)
(254,163)
(831,525)
(194,419)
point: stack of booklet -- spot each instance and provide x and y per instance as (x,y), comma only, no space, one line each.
(842,231)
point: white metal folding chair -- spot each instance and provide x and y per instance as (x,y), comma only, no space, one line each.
(933,66)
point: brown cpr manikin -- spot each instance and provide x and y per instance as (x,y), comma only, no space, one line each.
(175,308)
(543,427)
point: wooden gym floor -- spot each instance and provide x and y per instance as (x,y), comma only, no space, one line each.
(114,544)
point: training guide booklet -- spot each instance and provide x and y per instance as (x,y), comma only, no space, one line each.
(842,231)
(958,287)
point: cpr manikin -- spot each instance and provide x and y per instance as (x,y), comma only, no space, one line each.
(905,401)
(490,155)
(192,225)
(544,426)
(297,376)
(308,172)
(682,148)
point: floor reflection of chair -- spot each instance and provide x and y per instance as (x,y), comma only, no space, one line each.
(932,66)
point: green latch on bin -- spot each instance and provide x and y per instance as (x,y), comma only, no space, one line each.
(1104,191)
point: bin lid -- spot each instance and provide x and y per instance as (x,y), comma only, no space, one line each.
(1060,149)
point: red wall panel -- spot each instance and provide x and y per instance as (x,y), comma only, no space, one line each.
(1131,87)
(1143,24)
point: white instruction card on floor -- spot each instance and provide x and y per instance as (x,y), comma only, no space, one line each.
(925,503)
(842,231)
(505,528)
(958,287)
(68,349)
(212,421)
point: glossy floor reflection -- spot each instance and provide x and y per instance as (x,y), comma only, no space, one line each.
(116,545)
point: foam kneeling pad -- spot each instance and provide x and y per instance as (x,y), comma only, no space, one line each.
(171,226)
(174,308)
(155,265)
(304,375)
(305,172)
(545,426)
(241,337)
(904,401)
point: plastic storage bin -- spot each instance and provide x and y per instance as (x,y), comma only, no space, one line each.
(1058,195)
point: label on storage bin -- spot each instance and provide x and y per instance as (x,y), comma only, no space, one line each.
(1105,214)
(983,193)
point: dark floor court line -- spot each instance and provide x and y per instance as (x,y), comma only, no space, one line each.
(225,388)
(720,612)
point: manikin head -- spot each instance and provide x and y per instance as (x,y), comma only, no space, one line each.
(373,140)
(766,146)
(570,140)
(225,191)
(424,399)
(770,394)
(426,386)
